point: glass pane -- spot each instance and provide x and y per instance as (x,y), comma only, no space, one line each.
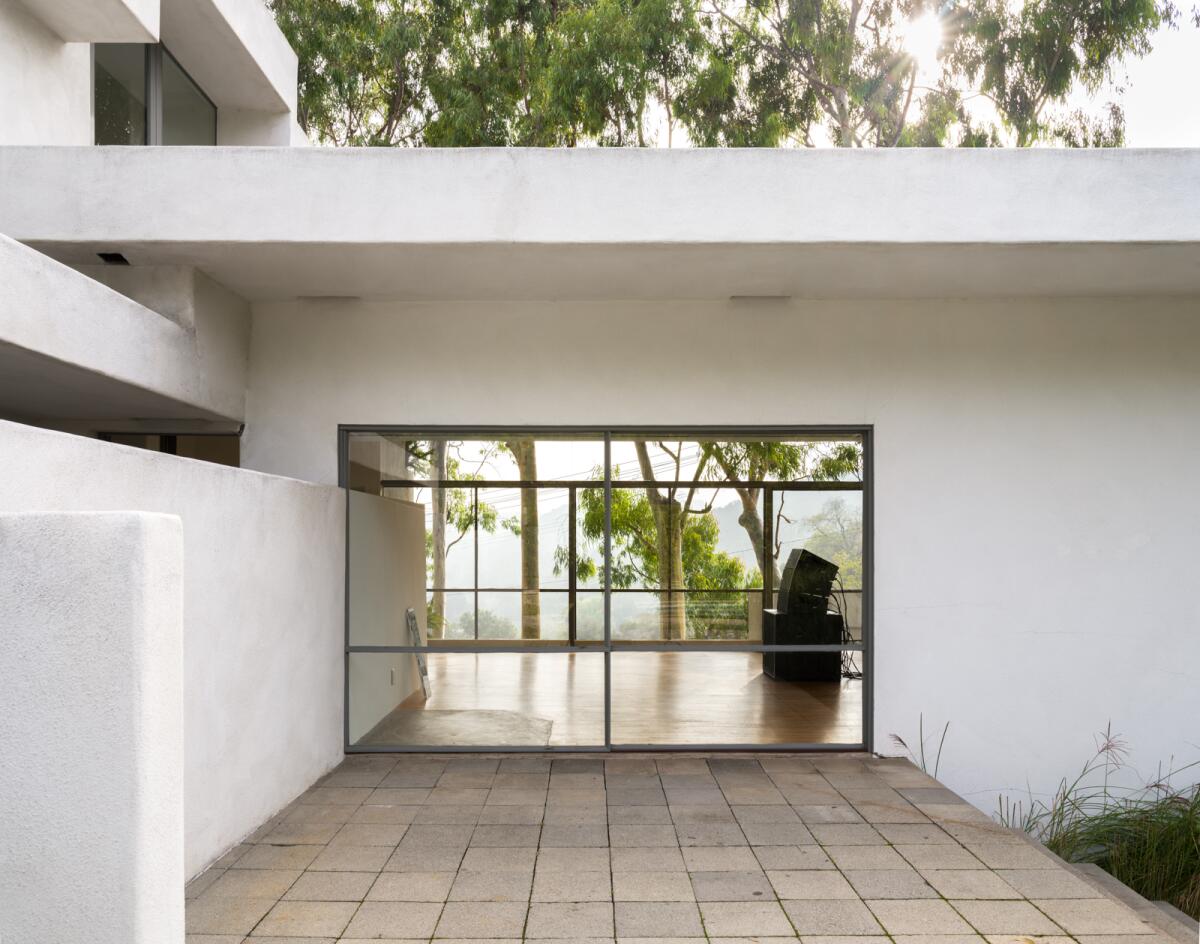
(120,93)
(694,616)
(457,615)
(589,616)
(506,530)
(500,615)
(827,524)
(506,458)
(639,615)
(450,548)
(687,536)
(757,457)
(510,542)
(188,117)
(554,615)
(727,698)
(721,616)
(478,699)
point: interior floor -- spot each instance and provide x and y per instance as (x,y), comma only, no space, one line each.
(658,698)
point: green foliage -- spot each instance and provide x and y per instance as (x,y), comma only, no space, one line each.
(836,535)
(849,61)
(461,509)
(1029,56)
(491,626)
(635,548)
(365,67)
(743,73)
(1148,837)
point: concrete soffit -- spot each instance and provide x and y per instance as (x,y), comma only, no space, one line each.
(99,21)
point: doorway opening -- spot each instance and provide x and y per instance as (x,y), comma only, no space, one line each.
(607,589)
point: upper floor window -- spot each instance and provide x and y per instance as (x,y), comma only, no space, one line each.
(143,96)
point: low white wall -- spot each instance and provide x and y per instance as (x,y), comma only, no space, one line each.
(387,577)
(45,83)
(264,579)
(1034,533)
(91,728)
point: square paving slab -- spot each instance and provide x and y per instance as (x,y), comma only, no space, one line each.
(643,849)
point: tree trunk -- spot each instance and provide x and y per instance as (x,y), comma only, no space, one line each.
(668,542)
(406,493)
(436,622)
(749,519)
(525,453)
(752,522)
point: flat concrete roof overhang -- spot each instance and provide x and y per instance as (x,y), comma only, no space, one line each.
(601,223)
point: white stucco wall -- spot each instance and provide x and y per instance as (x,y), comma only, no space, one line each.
(264,574)
(235,52)
(1035,536)
(244,128)
(91,728)
(45,83)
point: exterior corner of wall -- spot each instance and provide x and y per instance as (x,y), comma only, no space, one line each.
(93,617)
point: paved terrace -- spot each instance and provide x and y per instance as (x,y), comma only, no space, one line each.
(839,849)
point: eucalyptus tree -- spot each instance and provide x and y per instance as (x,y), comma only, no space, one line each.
(466,73)
(745,465)
(524,454)
(663,537)
(545,74)
(885,73)
(365,67)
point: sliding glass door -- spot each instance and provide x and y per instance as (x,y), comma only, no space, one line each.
(535,589)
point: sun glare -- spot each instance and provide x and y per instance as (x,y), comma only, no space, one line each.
(922,38)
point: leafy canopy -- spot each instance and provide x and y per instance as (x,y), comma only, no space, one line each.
(722,72)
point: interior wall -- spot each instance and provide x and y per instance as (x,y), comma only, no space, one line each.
(47,83)
(264,591)
(1034,532)
(387,577)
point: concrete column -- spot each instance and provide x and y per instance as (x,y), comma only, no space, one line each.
(91,728)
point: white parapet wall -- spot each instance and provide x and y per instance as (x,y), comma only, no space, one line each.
(91,728)
(186,358)
(264,595)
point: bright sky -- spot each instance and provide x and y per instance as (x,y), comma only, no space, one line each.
(1162,107)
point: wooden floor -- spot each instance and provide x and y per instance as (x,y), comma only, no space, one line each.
(658,698)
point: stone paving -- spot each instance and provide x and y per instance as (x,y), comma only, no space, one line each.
(643,849)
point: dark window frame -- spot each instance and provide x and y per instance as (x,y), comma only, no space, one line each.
(865,648)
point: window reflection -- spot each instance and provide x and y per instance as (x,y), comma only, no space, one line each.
(120,93)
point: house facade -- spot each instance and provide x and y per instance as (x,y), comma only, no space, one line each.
(231,372)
